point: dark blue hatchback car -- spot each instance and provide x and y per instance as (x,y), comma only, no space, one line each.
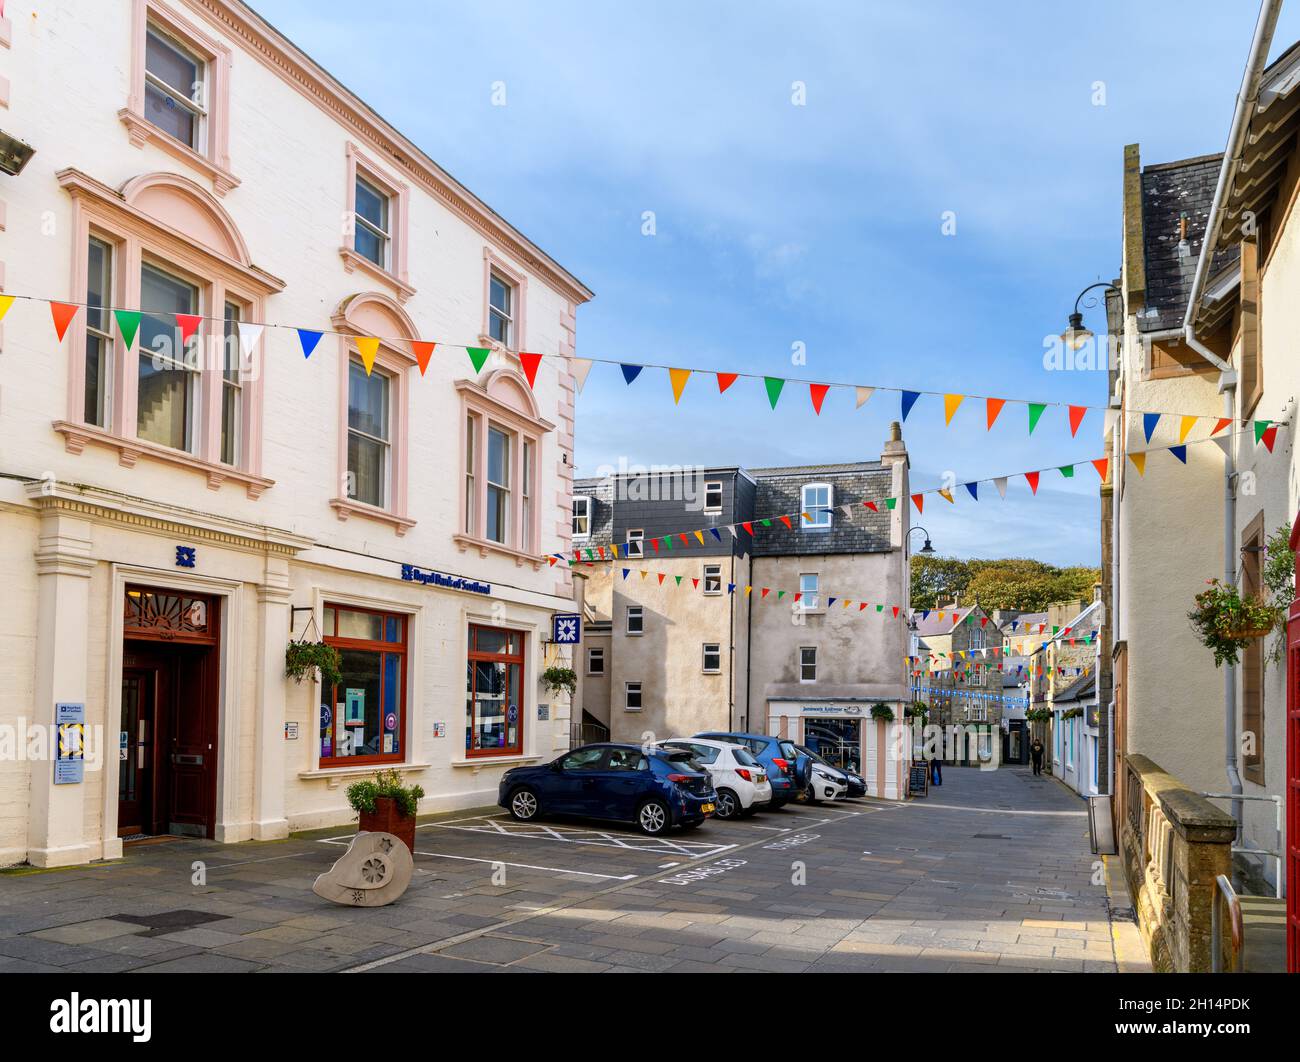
(653,788)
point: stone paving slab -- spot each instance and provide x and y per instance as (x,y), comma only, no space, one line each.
(991,873)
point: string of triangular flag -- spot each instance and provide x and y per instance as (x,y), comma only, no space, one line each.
(250,332)
(664,544)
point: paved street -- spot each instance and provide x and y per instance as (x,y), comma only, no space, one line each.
(991,873)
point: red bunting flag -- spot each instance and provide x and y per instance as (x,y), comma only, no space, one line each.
(871,505)
(661,578)
(919,501)
(895,612)
(63,313)
(530,363)
(695,583)
(725,380)
(748,527)
(993,406)
(863,605)
(1032,479)
(188,323)
(423,351)
(817,392)
(1102,465)
(1076,418)
(685,540)
(786,520)
(764,592)
(1269,435)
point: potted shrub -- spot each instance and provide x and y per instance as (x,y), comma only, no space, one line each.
(1226,622)
(385,805)
(882,712)
(302,658)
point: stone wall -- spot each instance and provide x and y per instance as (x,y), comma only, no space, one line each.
(1173,843)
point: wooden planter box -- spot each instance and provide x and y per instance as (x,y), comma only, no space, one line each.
(387,819)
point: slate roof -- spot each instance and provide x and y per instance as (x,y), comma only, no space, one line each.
(1079,689)
(1169,190)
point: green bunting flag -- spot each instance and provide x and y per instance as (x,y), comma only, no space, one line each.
(1067,471)
(1035,411)
(773,386)
(890,503)
(1261,426)
(128,323)
(479,356)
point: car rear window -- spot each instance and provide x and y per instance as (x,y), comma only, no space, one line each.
(679,758)
(789,751)
(744,758)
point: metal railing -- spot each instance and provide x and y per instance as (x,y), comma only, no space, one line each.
(1271,853)
(1225,894)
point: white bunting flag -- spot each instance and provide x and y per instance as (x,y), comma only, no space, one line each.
(249,334)
(1001,484)
(864,395)
(581,366)
(1108,422)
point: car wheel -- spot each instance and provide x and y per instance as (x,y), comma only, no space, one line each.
(810,795)
(523,805)
(728,804)
(652,817)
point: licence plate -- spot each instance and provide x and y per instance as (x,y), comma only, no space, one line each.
(760,778)
(706,808)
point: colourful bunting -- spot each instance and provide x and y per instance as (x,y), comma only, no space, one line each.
(424,351)
(249,334)
(773,386)
(1139,462)
(1032,479)
(128,323)
(188,323)
(630,372)
(308,339)
(5,302)
(63,313)
(909,400)
(817,392)
(1102,465)
(1035,411)
(973,489)
(1076,418)
(678,377)
(1179,452)
(1270,433)
(530,362)
(1185,425)
(950,406)
(1067,471)
(863,396)
(369,347)
(1261,426)
(725,380)
(919,501)
(581,369)
(992,407)
(1149,422)
(1001,484)
(479,357)
(1220,424)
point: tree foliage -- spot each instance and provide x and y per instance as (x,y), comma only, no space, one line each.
(1010,583)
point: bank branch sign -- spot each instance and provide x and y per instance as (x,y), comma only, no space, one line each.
(412,574)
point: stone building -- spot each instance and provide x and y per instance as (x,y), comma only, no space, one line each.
(786,626)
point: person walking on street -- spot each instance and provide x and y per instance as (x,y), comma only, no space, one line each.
(1036,756)
(936,771)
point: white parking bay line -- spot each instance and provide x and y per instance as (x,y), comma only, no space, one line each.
(530,866)
(598,838)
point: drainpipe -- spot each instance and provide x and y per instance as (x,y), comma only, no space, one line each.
(1247,99)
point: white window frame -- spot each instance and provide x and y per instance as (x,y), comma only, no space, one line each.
(186,98)
(628,689)
(716,569)
(713,486)
(804,664)
(506,490)
(639,612)
(232,383)
(582,501)
(508,315)
(596,652)
(707,649)
(636,542)
(188,360)
(471,457)
(385,234)
(815,595)
(102,336)
(391,390)
(817,521)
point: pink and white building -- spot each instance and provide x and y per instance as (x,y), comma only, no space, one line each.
(178,505)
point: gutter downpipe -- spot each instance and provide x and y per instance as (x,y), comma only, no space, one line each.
(1247,99)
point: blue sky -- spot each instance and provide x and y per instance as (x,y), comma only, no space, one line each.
(818,224)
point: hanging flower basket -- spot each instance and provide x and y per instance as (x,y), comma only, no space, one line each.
(882,712)
(1226,622)
(302,658)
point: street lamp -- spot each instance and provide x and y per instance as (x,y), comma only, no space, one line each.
(1077,334)
(927,548)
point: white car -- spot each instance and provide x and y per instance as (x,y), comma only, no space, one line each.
(826,783)
(740,780)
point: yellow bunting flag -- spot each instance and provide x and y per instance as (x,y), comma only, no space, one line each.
(678,378)
(1186,425)
(5,302)
(950,404)
(1139,462)
(368,346)
(947,496)
(700,535)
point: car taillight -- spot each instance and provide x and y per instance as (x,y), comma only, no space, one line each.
(784,765)
(682,778)
(743,773)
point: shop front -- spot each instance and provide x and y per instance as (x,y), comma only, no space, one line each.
(846,734)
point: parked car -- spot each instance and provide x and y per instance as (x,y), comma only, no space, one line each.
(739,780)
(654,789)
(825,780)
(853,781)
(778,755)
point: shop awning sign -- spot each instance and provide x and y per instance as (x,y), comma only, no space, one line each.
(412,574)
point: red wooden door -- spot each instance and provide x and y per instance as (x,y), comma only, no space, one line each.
(1292,842)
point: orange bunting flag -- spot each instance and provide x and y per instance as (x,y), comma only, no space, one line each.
(725,380)
(530,363)
(1032,479)
(369,347)
(1076,418)
(786,520)
(1139,462)
(919,501)
(1184,426)
(950,404)
(946,495)
(1222,423)
(1102,465)
(63,313)
(678,378)
(992,407)
(423,351)
(817,392)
